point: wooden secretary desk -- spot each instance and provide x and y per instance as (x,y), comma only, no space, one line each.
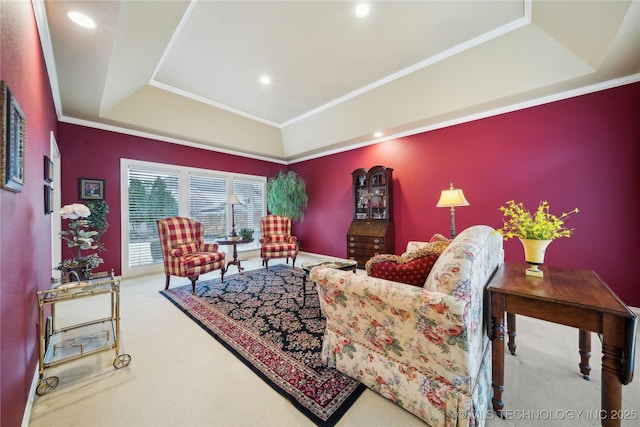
(372,230)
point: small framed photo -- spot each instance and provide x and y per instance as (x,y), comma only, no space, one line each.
(91,189)
(48,169)
(12,141)
(48,199)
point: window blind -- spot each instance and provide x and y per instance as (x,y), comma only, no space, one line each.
(152,195)
(248,214)
(207,197)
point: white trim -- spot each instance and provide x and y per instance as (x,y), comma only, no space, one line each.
(208,101)
(56,221)
(31,397)
(169,88)
(178,30)
(40,13)
(490,35)
(483,38)
(162,138)
(482,115)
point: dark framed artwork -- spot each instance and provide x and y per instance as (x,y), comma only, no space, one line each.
(12,129)
(91,189)
(48,169)
(48,199)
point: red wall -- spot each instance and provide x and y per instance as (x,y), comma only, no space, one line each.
(94,153)
(581,152)
(24,228)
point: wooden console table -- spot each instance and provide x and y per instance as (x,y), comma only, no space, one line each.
(577,298)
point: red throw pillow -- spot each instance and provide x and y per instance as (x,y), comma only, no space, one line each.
(412,268)
(184,249)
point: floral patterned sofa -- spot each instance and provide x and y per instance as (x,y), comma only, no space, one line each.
(424,348)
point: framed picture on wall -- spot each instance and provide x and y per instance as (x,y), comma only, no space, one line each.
(91,189)
(48,169)
(48,199)
(12,140)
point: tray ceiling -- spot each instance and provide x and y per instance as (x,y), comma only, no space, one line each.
(189,72)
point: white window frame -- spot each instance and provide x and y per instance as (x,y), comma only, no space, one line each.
(183,173)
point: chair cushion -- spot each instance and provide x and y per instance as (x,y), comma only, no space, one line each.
(411,268)
(202,258)
(278,238)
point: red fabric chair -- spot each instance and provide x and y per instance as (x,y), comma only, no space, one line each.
(184,252)
(277,241)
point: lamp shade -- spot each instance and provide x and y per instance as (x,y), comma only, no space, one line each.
(232,199)
(452,197)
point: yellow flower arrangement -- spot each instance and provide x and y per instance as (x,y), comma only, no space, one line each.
(518,222)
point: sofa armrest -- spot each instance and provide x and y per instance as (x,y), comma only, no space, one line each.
(412,325)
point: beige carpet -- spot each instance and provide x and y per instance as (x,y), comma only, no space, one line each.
(180,376)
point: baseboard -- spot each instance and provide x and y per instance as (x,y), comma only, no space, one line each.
(32,395)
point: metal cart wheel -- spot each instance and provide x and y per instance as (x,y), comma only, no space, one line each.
(46,385)
(121,361)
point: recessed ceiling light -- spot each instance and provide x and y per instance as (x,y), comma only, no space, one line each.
(81,19)
(362,10)
(265,80)
(377,134)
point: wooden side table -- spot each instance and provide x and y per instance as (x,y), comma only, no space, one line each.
(577,298)
(235,260)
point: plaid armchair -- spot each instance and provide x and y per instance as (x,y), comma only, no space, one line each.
(184,252)
(277,241)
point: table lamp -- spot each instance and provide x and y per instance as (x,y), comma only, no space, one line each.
(233,200)
(451,198)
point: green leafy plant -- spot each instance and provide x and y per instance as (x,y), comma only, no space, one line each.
(287,195)
(246,234)
(542,225)
(97,221)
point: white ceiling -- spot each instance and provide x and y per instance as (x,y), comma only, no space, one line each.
(188,71)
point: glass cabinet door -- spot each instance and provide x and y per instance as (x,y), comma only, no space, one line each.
(361,194)
(378,196)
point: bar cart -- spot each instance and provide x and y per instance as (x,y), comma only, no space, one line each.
(76,341)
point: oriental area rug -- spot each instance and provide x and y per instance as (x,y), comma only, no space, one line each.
(272,324)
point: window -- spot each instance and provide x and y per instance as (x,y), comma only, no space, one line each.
(152,195)
(151,191)
(248,214)
(207,197)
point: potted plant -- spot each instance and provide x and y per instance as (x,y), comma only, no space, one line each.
(79,237)
(287,195)
(535,231)
(246,234)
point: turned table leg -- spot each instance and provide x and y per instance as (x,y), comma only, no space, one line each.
(611,391)
(497,352)
(584,343)
(511,330)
